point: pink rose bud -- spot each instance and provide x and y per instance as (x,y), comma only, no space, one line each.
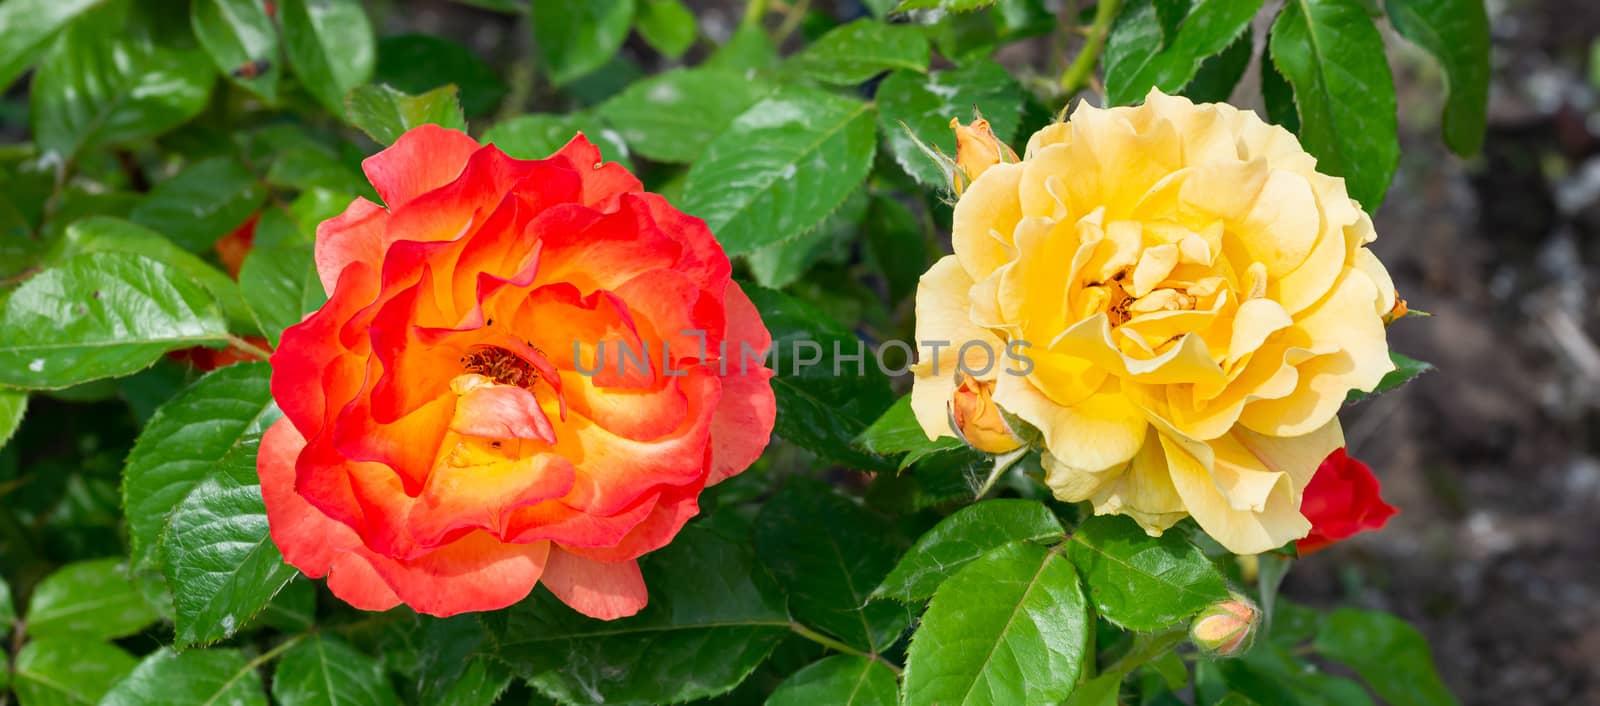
(978,421)
(1227,628)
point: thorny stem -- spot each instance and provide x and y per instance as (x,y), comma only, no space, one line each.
(1081,69)
(838,646)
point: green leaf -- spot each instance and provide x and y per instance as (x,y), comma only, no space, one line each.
(1405,370)
(1333,56)
(89,599)
(1268,674)
(280,282)
(1141,582)
(100,85)
(897,245)
(99,234)
(671,117)
(781,168)
(841,680)
(293,610)
(242,42)
(101,315)
(8,610)
(183,445)
(330,47)
(853,53)
(1456,33)
(897,432)
(192,678)
(962,537)
(575,38)
(13,405)
(1277,94)
(219,560)
(828,553)
(324,670)
(1132,69)
(1009,628)
(778,266)
(1099,691)
(925,105)
(950,5)
(1218,75)
(701,634)
(824,402)
(747,48)
(202,203)
(30,24)
(667,26)
(61,671)
(1387,652)
(539,135)
(417,63)
(385,113)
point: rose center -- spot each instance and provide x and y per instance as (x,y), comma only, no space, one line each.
(501,366)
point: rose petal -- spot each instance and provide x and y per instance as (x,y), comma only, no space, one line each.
(596,589)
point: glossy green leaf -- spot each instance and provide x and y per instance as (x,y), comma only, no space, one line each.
(829,553)
(1390,655)
(1277,94)
(385,113)
(897,245)
(1405,370)
(99,234)
(30,25)
(330,47)
(898,432)
(417,63)
(101,315)
(1333,56)
(667,26)
(13,405)
(444,661)
(855,52)
(575,38)
(242,41)
(88,599)
(220,563)
(322,669)
(748,48)
(1218,75)
(1141,582)
(925,104)
(539,135)
(191,678)
(1132,69)
(1456,33)
(67,671)
(294,609)
(778,266)
(781,168)
(183,445)
(841,680)
(671,117)
(701,634)
(962,537)
(1268,674)
(280,281)
(951,5)
(824,401)
(100,86)
(1011,627)
(202,203)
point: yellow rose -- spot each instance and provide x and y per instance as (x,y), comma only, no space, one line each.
(1195,301)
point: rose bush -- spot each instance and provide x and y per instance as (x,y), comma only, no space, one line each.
(452,434)
(1197,301)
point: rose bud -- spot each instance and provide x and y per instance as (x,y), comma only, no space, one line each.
(976,419)
(1227,628)
(977,149)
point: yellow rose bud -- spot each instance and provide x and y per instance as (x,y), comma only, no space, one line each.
(1195,300)
(976,419)
(977,149)
(1226,629)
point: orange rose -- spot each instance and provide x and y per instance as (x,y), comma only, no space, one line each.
(446,442)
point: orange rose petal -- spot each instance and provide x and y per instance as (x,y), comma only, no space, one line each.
(600,181)
(476,572)
(747,401)
(423,159)
(672,510)
(495,411)
(571,527)
(350,237)
(310,541)
(596,589)
(484,495)
(354,581)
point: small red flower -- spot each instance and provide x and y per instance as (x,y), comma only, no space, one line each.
(1340,501)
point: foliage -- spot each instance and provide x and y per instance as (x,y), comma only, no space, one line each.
(857,563)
